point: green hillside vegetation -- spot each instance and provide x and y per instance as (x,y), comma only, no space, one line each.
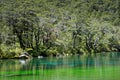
(51,27)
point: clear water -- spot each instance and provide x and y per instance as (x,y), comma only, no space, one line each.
(100,67)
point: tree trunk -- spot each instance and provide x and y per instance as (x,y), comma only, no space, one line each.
(19,35)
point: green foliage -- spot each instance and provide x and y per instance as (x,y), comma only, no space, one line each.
(9,52)
(33,53)
(48,27)
(52,51)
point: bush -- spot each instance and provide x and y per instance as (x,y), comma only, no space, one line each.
(9,52)
(41,51)
(52,51)
(33,53)
(1,53)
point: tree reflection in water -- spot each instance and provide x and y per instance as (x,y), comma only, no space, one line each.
(53,68)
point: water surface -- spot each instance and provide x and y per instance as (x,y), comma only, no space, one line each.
(100,67)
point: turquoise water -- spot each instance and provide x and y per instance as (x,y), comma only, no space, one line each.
(100,67)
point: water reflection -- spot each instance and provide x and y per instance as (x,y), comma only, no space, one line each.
(47,68)
(52,63)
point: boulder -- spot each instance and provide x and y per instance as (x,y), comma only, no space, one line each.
(25,55)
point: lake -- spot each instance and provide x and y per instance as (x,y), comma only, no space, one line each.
(100,67)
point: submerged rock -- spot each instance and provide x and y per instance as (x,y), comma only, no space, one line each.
(40,56)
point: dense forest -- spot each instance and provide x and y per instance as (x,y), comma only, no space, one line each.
(51,27)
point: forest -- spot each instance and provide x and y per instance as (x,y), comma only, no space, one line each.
(52,27)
